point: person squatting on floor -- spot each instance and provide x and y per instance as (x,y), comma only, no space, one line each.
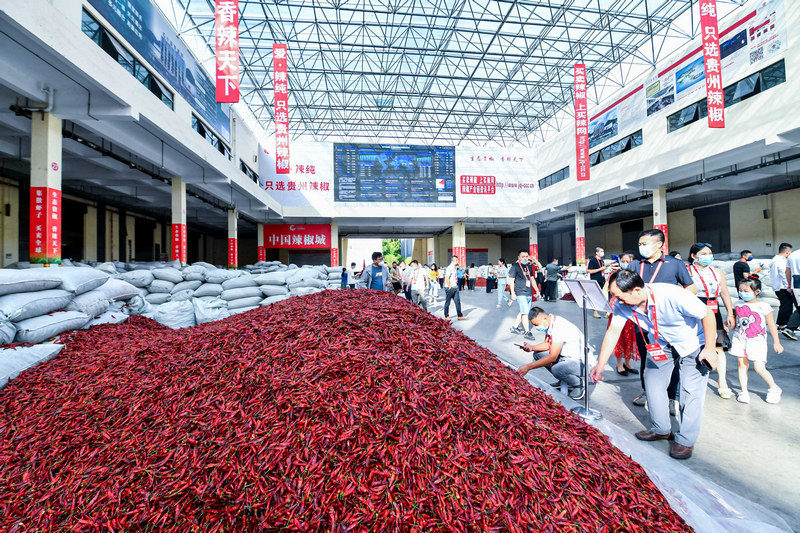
(561,352)
(683,332)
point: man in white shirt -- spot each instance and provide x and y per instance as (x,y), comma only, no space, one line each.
(451,288)
(561,352)
(793,282)
(682,329)
(780,284)
(418,282)
(351,276)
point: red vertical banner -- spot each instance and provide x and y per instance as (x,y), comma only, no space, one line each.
(715,96)
(663,227)
(262,253)
(461,253)
(179,238)
(533,250)
(334,257)
(580,251)
(281,91)
(226,46)
(581,124)
(45,226)
(233,253)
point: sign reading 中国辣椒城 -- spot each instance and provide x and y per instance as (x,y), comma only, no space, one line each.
(297,236)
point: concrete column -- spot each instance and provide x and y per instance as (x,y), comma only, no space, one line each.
(580,239)
(431,250)
(233,238)
(460,242)
(178,233)
(130,238)
(660,213)
(533,241)
(90,234)
(343,250)
(9,225)
(334,243)
(45,215)
(112,235)
(262,249)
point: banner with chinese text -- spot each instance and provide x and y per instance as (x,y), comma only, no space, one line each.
(281,90)
(533,251)
(297,235)
(227,50)
(663,227)
(709,32)
(233,253)
(262,253)
(334,257)
(581,124)
(45,226)
(179,238)
(580,251)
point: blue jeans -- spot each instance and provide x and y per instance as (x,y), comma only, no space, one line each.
(501,291)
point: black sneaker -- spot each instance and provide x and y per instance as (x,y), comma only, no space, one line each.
(516,331)
(577,393)
(789,334)
(528,335)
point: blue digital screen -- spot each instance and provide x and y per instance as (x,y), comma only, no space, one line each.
(394,173)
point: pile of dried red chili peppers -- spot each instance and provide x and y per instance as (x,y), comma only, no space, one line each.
(339,411)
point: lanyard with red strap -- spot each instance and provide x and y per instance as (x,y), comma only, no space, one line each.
(658,269)
(549,336)
(654,350)
(711,302)
(525,274)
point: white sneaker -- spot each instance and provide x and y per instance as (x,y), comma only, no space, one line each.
(743,397)
(774,395)
(497,306)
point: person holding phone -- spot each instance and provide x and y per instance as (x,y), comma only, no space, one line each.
(683,332)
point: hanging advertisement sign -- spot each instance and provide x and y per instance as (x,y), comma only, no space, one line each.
(233,253)
(262,253)
(141,25)
(226,48)
(581,123)
(533,251)
(663,227)
(179,238)
(334,257)
(280,82)
(580,251)
(45,226)
(309,180)
(498,176)
(297,235)
(715,97)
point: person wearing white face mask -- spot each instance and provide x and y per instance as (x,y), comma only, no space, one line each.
(626,348)
(561,352)
(711,287)
(657,267)
(595,268)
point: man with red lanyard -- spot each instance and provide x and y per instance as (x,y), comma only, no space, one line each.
(658,267)
(683,332)
(522,282)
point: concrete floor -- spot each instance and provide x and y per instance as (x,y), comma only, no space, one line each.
(752,450)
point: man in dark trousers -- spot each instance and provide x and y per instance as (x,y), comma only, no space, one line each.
(595,269)
(658,267)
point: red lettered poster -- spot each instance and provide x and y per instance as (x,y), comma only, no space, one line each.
(715,96)
(227,50)
(280,83)
(179,243)
(233,253)
(297,235)
(663,227)
(580,251)
(262,253)
(581,124)
(534,251)
(334,257)
(45,226)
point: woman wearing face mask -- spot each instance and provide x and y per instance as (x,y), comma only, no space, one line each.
(626,348)
(711,286)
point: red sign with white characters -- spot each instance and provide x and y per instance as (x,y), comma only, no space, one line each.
(478,184)
(534,251)
(712,58)
(297,235)
(233,253)
(45,226)
(280,83)
(461,253)
(227,50)
(179,239)
(580,251)
(262,253)
(581,124)
(334,257)
(663,227)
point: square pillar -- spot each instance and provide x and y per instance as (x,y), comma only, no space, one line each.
(460,242)
(233,238)
(45,206)
(178,233)
(334,243)
(262,249)
(533,241)
(660,214)
(90,234)
(130,237)
(431,248)
(580,239)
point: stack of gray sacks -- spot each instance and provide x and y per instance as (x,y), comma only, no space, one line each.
(41,303)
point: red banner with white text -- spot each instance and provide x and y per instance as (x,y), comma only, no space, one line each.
(580,251)
(45,226)
(663,227)
(581,124)
(233,253)
(262,253)
(461,253)
(297,235)
(715,96)
(533,250)
(179,238)
(280,85)
(334,257)
(226,32)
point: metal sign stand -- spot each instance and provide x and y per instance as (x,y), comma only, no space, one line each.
(588,295)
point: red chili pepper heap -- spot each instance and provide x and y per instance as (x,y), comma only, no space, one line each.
(308,417)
